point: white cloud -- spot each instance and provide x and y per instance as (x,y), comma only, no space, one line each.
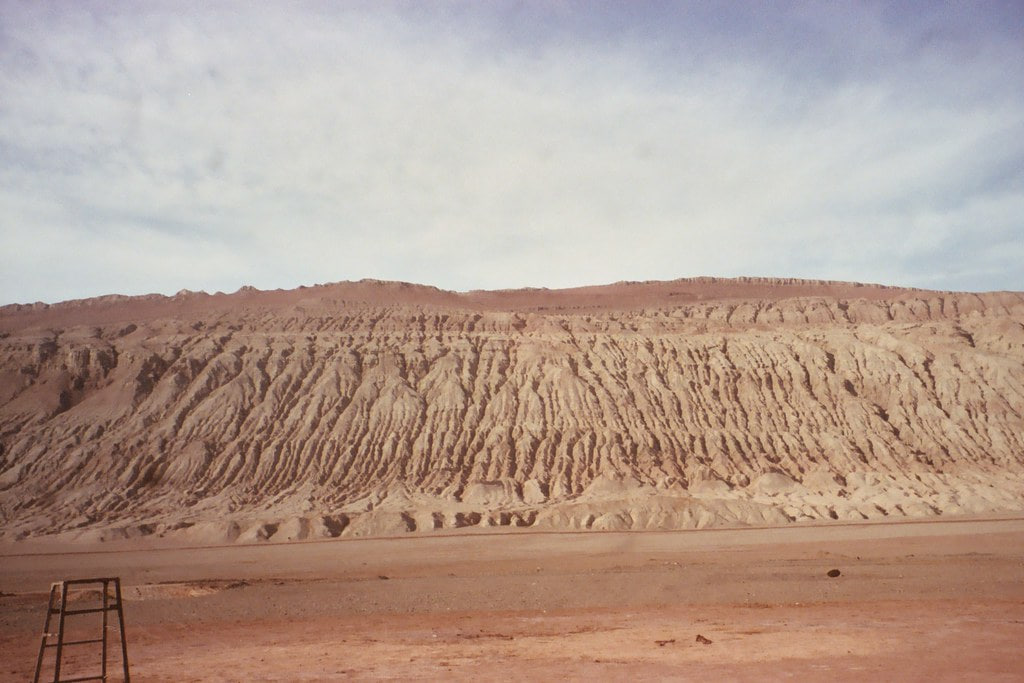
(156,150)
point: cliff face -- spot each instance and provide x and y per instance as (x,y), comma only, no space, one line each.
(375,408)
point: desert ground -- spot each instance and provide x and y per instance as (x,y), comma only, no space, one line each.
(915,600)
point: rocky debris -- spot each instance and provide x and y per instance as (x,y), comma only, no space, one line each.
(833,573)
(702,640)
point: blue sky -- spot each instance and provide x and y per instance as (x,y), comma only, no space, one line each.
(150,147)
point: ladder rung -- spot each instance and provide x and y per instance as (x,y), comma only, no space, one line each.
(75,642)
(91,610)
(78,582)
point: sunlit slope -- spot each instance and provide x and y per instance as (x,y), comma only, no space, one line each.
(375,408)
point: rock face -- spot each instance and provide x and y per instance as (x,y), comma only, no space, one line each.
(377,408)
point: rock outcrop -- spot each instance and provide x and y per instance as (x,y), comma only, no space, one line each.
(377,408)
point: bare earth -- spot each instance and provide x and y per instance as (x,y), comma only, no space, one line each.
(926,600)
(375,409)
(635,481)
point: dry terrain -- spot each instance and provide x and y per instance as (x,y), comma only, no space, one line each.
(705,479)
(370,408)
(932,600)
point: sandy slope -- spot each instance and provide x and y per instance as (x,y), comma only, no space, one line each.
(930,600)
(363,409)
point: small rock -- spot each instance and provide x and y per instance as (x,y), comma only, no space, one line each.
(833,573)
(663,643)
(382,577)
(702,640)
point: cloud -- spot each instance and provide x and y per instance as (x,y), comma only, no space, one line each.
(505,144)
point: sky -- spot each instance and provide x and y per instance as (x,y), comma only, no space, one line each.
(153,147)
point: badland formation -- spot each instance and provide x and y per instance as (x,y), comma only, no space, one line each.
(378,408)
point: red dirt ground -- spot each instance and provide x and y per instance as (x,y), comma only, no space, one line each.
(915,601)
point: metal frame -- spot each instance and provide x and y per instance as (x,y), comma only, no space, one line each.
(59,606)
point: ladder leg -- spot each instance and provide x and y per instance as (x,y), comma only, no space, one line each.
(46,632)
(120,619)
(60,629)
(106,604)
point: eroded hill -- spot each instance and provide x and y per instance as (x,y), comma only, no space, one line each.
(375,408)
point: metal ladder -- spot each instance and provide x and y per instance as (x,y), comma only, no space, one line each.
(59,605)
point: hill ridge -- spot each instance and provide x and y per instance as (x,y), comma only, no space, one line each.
(284,415)
(107,299)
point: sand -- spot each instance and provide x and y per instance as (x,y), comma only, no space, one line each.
(930,600)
